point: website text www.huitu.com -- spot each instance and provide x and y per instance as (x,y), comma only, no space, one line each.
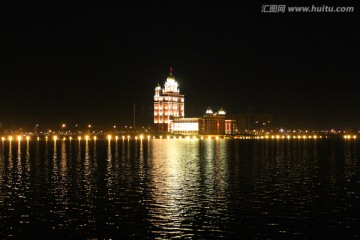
(275,8)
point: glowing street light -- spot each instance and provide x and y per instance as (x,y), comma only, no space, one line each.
(63,127)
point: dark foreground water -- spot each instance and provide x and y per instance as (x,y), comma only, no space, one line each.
(162,189)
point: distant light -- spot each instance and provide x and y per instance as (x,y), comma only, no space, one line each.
(89,126)
(2,138)
(10,138)
(354,136)
(87,137)
(136,137)
(109,137)
(64,138)
(94,138)
(79,138)
(70,138)
(123,137)
(148,137)
(160,137)
(27,138)
(38,138)
(46,138)
(217,137)
(168,137)
(116,137)
(63,125)
(55,138)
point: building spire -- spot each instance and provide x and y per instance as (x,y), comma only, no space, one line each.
(170,70)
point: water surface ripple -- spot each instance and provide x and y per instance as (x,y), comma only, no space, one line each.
(163,189)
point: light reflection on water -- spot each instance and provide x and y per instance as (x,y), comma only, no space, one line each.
(185,189)
(179,188)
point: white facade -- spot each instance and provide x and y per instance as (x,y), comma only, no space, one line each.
(186,126)
(168,104)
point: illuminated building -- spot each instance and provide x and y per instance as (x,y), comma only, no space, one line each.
(212,123)
(186,126)
(230,126)
(168,104)
(169,114)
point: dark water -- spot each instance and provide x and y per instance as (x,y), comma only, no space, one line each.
(162,189)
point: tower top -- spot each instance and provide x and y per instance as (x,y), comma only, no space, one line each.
(171,85)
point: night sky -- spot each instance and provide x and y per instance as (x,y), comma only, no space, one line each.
(90,61)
